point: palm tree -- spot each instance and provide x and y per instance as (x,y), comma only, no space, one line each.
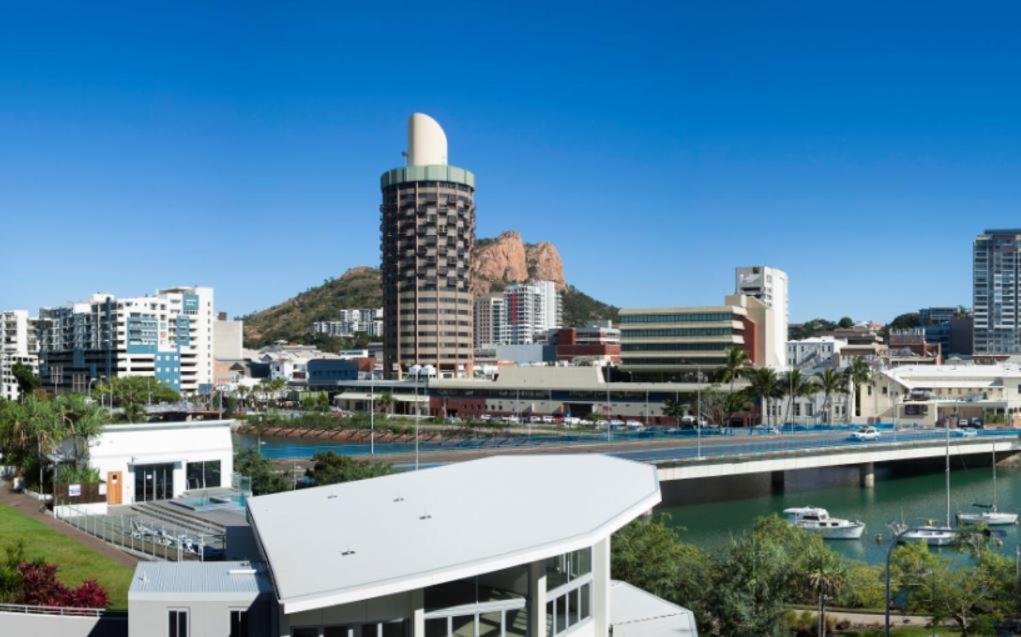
(673,408)
(762,386)
(81,422)
(734,366)
(385,401)
(825,574)
(859,372)
(795,385)
(830,382)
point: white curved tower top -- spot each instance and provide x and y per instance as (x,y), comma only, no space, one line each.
(427,143)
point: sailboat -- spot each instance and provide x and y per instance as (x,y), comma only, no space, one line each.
(991,516)
(933,534)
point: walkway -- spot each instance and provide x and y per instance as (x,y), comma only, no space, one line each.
(32,508)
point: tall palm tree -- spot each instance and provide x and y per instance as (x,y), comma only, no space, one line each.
(859,373)
(825,574)
(734,365)
(795,385)
(830,382)
(80,422)
(673,408)
(762,386)
(385,402)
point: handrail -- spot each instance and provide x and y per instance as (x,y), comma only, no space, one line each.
(30,609)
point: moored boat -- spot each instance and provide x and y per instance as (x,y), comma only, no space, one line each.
(818,520)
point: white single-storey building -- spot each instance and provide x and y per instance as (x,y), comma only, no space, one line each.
(159,461)
(506,546)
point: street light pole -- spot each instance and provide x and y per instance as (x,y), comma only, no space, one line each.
(372,414)
(698,408)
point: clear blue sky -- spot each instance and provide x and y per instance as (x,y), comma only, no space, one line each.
(859,146)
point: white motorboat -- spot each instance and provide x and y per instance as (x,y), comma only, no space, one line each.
(931,535)
(817,520)
(990,516)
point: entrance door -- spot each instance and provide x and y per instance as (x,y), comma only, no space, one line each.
(113,487)
(154,482)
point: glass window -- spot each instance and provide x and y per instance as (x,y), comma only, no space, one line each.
(436,627)
(203,475)
(515,623)
(305,632)
(390,629)
(238,623)
(491,624)
(586,600)
(178,619)
(337,631)
(463,626)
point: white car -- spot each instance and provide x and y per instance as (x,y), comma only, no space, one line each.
(865,434)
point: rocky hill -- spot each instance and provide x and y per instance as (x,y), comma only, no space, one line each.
(494,264)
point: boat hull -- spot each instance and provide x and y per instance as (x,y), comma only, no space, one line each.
(989,519)
(932,537)
(852,531)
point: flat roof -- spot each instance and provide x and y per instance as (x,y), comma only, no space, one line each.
(343,543)
(199,581)
(638,613)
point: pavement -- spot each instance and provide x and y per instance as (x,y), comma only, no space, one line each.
(34,509)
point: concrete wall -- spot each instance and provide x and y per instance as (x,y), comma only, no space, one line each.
(204,618)
(44,625)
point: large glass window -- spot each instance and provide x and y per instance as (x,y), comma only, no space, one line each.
(178,620)
(154,482)
(569,582)
(203,475)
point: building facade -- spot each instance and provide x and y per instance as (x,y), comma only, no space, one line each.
(996,283)
(598,341)
(533,309)
(671,343)
(490,320)
(167,336)
(428,228)
(814,352)
(770,286)
(352,321)
(17,347)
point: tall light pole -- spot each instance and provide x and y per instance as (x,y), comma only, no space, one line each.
(372,413)
(698,409)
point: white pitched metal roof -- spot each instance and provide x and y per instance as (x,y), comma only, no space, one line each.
(638,613)
(199,581)
(343,543)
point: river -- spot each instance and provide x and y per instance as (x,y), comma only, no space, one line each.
(712,511)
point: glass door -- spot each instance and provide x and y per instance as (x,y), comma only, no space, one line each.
(154,482)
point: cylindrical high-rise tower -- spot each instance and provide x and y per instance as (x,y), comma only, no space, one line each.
(427,232)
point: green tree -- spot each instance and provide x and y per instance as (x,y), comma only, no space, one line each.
(762,386)
(331,468)
(649,554)
(673,408)
(385,402)
(752,589)
(135,390)
(858,373)
(795,385)
(830,383)
(846,322)
(734,366)
(864,587)
(80,422)
(27,380)
(264,476)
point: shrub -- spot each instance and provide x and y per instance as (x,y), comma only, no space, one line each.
(40,587)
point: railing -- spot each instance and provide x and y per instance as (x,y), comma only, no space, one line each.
(148,536)
(29,609)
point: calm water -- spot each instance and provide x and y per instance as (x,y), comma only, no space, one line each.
(913,498)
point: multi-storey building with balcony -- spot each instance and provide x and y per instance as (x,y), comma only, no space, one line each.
(17,347)
(532,310)
(490,320)
(352,321)
(167,336)
(996,279)
(427,232)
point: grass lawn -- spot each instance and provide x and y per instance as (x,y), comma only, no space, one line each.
(77,562)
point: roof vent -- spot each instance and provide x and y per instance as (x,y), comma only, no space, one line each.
(241,571)
(347,552)
(331,496)
(425,516)
(399,499)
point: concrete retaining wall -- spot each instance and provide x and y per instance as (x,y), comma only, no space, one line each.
(65,626)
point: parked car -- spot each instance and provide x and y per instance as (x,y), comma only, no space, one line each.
(866,434)
(634,425)
(962,422)
(977,423)
(765,429)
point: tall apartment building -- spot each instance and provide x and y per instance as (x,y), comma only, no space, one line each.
(673,343)
(17,346)
(533,309)
(768,285)
(427,232)
(490,320)
(167,336)
(996,283)
(351,321)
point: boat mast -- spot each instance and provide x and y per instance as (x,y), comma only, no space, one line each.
(948,473)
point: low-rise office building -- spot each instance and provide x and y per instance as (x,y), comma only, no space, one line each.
(815,352)
(670,343)
(598,341)
(397,556)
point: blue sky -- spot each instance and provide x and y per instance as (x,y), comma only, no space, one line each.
(859,146)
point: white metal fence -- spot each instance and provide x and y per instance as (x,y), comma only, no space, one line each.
(56,610)
(148,536)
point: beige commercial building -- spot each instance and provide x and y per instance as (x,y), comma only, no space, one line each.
(428,228)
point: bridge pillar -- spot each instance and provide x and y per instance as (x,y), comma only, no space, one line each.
(867,474)
(776,480)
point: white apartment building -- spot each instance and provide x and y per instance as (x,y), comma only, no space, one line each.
(167,336)
(532,310)
(17,346)
(769,285)
(814,352)
(352,321)
(490,321)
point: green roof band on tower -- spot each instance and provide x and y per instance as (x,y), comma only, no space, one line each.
(451,174)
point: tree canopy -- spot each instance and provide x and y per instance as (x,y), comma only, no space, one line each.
(330,468)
